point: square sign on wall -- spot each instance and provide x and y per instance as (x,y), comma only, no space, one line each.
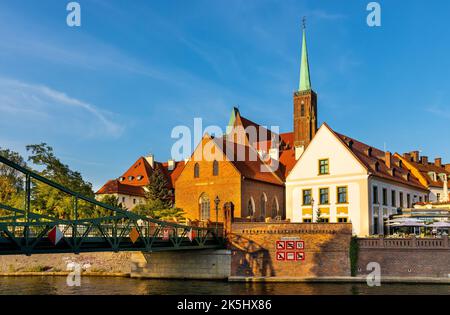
(300,245)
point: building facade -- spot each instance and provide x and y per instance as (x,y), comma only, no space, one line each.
(216,171)
(339,179)
(433,175)
(130,188)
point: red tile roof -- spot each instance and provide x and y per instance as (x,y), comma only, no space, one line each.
(138,175)
(425,167)
(116,187)
(250,165)
(375,162)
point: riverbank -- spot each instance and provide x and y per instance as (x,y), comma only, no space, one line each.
(101,264)
(360,279)
(329,280)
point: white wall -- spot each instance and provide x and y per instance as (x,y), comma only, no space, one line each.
(383,211)
(129,202)
(344,170)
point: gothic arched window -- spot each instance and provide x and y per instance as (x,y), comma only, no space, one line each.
(274,207)
(263,205)
(215,168)
(196,170)
(204,207)
(250,208)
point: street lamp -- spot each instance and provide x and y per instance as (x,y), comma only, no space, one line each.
(216,202)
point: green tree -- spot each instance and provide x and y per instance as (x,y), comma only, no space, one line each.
(11,181)
(49,200)
(318,216)
(113,201)
(159,199)
(158,189)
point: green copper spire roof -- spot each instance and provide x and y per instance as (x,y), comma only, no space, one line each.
(232,120)
(305,81)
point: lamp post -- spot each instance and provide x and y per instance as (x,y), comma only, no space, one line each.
(216,202)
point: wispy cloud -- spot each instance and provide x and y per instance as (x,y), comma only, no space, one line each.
(41,105)
(442,112)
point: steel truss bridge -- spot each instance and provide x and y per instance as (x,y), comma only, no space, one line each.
(23,231)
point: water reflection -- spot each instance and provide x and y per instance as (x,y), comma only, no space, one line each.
(118,286)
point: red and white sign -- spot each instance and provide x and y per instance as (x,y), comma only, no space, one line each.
(191,235)
(290,256)
(55,235)
(299,256)
(300,245)
(290,245)
(281,256)
(281,245)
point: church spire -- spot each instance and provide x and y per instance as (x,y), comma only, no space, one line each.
(305,81)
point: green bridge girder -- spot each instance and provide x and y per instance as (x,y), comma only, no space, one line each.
(25,232)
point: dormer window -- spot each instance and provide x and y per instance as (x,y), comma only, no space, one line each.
(140,177)
(369,151)
(443,177)
(377,166)
(121,179)
(407,176)
(350,144)
(130,178)
(432,176)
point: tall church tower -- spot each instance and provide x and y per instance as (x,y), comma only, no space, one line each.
(305,104)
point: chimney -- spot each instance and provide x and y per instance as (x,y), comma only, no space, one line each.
(151,160)
(438,162)
(388,159)
(274,154)
(445,197)
(424,160)
(415,156)
(299,151)
(407,156)
(171,165)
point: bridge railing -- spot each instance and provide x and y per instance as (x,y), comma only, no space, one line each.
(25,229)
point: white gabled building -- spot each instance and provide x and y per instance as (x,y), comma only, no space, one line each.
(339,179)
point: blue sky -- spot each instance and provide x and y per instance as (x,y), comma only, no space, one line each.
(112,90)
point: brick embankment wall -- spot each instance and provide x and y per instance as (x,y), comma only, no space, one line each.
(101,263)
(255,253)
(189,264)
(406,257)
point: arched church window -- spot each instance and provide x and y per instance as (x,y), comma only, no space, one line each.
(215,168)
(205,207)
(274,207)
(263,205)
(250,208)
(196,170)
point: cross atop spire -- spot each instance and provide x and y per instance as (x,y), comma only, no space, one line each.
(305,81)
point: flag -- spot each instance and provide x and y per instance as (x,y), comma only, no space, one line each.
(55,235)
(191,235)
(134,235)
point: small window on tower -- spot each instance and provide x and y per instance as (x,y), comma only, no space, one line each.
(196,170)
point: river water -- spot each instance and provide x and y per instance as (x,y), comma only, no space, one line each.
(121,286)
